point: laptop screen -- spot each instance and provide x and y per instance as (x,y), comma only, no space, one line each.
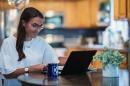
(78,62)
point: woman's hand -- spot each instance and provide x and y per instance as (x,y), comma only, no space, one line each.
(37,68)
(62,60)
(34,68)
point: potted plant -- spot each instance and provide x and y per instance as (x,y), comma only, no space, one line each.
(111,60)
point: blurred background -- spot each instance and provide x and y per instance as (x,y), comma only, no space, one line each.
(73,24)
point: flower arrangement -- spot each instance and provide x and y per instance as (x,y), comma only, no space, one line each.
(110,56)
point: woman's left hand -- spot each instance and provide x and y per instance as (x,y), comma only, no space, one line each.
(36,68)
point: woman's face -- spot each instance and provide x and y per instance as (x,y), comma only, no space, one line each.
(33,27)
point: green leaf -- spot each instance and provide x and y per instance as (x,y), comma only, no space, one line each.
(110,56)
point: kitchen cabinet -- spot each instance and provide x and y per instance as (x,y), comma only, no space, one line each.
(128,9)
(121,9)
(77,13)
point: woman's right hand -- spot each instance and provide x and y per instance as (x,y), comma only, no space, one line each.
(37,68)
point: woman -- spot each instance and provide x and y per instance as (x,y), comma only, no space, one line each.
(25,51)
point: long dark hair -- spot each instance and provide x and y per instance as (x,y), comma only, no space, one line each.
(26,16)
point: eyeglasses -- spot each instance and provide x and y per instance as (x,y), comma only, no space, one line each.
(36,26)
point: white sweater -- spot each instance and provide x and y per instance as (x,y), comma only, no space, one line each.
(37,51)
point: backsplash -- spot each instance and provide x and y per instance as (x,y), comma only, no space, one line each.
(65,37)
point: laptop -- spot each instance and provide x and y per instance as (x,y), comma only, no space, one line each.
(78,62)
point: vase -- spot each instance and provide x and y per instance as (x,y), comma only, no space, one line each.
(110,81)
(110,71)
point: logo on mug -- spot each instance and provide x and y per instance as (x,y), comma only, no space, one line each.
(53,70)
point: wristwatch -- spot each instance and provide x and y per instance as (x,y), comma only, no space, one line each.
(26,69)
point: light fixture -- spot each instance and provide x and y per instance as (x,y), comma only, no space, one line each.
(19,4)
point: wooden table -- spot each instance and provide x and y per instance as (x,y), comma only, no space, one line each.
(90,79)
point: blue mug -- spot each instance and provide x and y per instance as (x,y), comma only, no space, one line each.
(52,70)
